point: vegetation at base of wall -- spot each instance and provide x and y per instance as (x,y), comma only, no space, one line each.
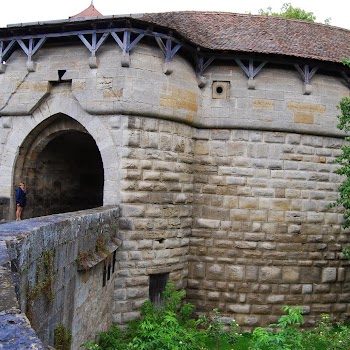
(62,338)
(174,327)
(169,327)
(43,282)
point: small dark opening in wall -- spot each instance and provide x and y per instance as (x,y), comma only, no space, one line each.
(109,272)
(61,74)
(114,260)
(157,285)
(104,279)
(161,240)
(219,90)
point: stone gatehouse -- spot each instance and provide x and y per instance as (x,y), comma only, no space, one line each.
(214,134)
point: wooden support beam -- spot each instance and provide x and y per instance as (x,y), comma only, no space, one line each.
(201,67)
(250,71)
(30,51)
(305,73)
(4,49)
(32,47)
(167,48)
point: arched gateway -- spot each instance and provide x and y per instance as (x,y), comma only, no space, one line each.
(62,167)
(214,137)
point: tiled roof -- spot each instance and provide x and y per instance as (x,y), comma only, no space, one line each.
(88,12)
(261,34)
(219,31)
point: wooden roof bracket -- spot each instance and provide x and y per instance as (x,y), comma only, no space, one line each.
(168,52)
(127,45)
(306,75)
(3,53)
(93,46)
(30,51)
(201,67)
(250,71)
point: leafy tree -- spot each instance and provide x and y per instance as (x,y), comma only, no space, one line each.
(289,11)
(344,158)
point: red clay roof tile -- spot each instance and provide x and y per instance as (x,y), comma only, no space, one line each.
(88,12)
(260,34)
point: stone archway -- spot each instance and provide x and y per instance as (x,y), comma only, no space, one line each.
(62,167)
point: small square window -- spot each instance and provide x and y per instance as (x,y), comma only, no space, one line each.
(221,90)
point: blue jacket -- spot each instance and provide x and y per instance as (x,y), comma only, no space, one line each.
(21,197)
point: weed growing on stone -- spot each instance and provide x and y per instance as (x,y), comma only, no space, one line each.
(43,282)
(83,259)
(62,338)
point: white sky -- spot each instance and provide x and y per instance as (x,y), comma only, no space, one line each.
(24,11)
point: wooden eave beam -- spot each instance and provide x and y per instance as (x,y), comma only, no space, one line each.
(305,73)
(95,44)
(167,48)
(203,65)
(250,71)
(4,49)
(32,47)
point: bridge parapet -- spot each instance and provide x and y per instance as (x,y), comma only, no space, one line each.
(60,266)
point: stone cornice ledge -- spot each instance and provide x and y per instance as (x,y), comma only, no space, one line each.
(87,260)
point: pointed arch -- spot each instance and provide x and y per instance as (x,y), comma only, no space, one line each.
(62,166)
(21,135)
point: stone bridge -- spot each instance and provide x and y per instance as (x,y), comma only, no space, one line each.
(59,269)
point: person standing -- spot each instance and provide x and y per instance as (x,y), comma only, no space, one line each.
(21,200)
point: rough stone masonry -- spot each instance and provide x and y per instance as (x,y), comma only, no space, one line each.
(219,160)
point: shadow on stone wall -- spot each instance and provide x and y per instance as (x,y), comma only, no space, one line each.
(4,208)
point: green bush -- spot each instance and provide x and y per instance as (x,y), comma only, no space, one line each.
(328,336)
(169,327)
(174,327)
(284,335)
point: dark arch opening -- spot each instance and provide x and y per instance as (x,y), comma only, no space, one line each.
(68,175)
(62,168)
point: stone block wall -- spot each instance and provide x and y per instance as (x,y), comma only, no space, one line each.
(276,103)
(263,236)
(156,209)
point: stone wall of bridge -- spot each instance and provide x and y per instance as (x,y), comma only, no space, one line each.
(58,270)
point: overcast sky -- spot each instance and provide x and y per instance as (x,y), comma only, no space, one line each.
(24,11)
